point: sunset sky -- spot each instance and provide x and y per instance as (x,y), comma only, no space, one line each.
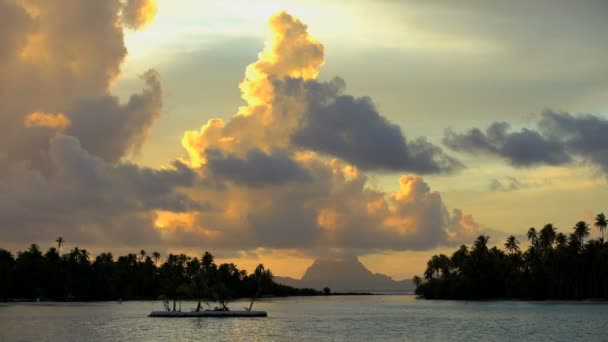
(280,132)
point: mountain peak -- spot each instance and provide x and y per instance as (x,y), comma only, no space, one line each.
(346,274)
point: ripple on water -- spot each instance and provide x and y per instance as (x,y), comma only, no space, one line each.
(349,318)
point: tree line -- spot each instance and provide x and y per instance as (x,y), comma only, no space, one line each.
(553,266)
(76,276)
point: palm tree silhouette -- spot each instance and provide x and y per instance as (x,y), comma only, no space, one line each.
(155,256)
(262,279)
(512,245)
(481,244)
(561,239)
(533,236)
(60,242)
(142,255)
(581,230)
(417,280)
(547,237)
(601,223)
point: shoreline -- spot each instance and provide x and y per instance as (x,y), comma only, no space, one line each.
(337,294)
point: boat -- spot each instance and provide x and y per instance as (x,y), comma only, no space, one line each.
(208,313)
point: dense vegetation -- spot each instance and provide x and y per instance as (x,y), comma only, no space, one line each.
(554,266)
(74,276)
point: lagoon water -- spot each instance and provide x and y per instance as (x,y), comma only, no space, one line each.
(348,318)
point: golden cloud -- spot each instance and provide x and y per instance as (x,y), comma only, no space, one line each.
(136,14)
(263,123)
(57,121)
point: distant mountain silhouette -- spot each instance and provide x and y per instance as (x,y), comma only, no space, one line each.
(346,275)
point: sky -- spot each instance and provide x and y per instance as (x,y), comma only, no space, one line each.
(281,132)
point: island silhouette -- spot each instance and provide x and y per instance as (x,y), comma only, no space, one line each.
(555,265)
(346,274)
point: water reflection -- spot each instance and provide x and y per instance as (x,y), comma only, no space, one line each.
(400,318)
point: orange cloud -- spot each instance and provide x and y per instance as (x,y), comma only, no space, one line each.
(332,207)
(263,123)
(54,121)
(168,219)
(291,52)
(136,14)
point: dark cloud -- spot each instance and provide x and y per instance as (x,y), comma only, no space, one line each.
(268,189)
(558,139)
(352,129)
(16,24)
(521,149)
(583,135)
(61,56)
(90,200)
(110,130)
(257,168)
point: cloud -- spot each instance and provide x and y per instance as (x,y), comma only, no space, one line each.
(289,109)
(510,184)
(53,121)
(256,180)
(522,149)
(558,139)
(283,137)
(351,128)
(136,14)
(89,200)
(583,135)
(335,211)
(111,130)
(513,184)
(462,228)
(257,168)
(57,56)
(62,135)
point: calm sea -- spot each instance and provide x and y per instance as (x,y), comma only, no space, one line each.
(352,318)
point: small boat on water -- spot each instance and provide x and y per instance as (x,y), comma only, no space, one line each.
(208,313)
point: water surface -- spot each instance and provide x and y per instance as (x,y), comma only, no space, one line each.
(348,318)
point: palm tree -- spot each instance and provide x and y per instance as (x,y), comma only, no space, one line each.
(512,245)
(581,229)
(533,236)
(417,281)
(601,223)
(562,240)
(480,246)
(547,237)
(262,279)
(155,256)
(142,255)
(432,267)
(60,242)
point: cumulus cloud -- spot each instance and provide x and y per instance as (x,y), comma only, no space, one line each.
(62,135)
(351,128)
(110,130)
(462,228)
(559,138)
(337,210)
(56,56)
(90,200)
(288,108)
(291,123)
(137,14)
(264,178)
(257,168)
